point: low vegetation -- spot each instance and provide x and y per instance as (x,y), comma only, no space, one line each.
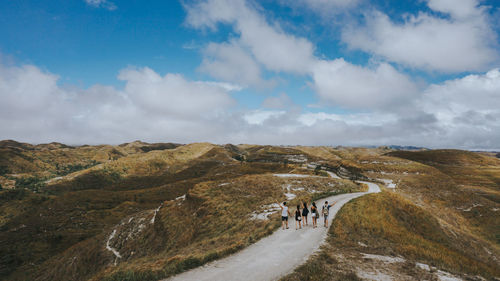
(207,199)
(215,220)
(166,208)
(387,224)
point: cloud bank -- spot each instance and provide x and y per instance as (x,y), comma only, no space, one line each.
(459,113)
(263,45)
(462,40)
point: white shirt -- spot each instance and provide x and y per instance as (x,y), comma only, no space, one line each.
(284,212)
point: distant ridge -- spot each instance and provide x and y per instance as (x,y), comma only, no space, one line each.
(406,147)
(398,147)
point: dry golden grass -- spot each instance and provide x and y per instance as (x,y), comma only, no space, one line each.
(391,225)
(456,227)
(322,152)
(41,232)
(63,231)
(462,187)
(321,266)
(215,220)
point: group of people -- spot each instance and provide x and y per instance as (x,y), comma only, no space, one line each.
(301,215)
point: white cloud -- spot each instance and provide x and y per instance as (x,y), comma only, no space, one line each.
(101,4)
(477,92)
(463,42)
(172,94)
(338,82)
(210,13)
(280,102)
(224,85)
(471,102)
(231,62)
(269,45)
(351,119)
(461,9)
(34,108)
(15,82)
(260,116)
(327,8)
(460,113)
(274,48)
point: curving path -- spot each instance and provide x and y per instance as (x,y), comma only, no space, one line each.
(276,255)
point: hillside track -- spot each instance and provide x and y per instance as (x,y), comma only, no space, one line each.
(276,255)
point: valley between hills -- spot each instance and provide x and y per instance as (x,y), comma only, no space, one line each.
(150,211)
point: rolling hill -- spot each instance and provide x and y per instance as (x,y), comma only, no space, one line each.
(141,211)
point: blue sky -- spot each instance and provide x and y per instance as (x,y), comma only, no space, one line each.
(316,72)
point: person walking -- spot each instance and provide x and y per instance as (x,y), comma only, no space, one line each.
(305,212)
(326,211)
(298,218)
(314,211)
(284,215)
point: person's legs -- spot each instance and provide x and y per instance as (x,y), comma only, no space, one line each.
(283,222)
(300,224)
(326,221)
(286,221)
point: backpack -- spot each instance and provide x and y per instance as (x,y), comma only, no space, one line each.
(326,210)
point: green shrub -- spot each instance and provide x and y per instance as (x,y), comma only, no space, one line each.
(63,170)
(182,265)
(32,183)
(211,256)
(147,275)
(13,194)
(189,263)
(4,170)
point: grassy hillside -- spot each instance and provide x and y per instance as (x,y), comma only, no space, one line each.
(214,220)
(165,208)
(387,225)
(33,166)
(58,227)
(443,213)
(466,184)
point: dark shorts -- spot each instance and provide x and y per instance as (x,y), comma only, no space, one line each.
(284,218)
(326,217)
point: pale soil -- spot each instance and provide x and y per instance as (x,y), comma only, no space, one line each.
(389,268)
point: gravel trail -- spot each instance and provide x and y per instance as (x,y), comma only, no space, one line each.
(276,255)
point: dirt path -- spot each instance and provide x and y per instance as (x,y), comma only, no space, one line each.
(276,255)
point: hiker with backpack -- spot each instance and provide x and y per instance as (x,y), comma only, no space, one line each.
(326,211)
(315,215)
(284,215)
